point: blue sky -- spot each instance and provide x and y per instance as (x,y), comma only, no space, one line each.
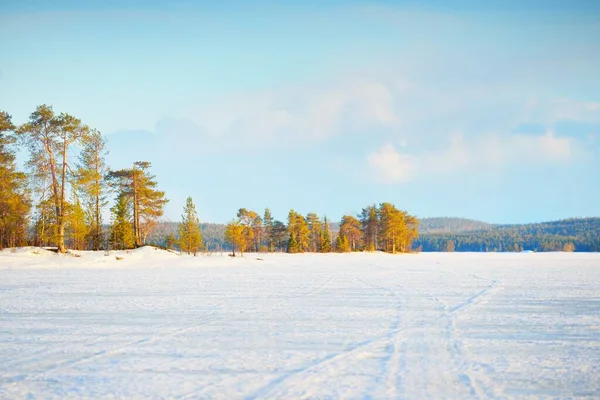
(479,110)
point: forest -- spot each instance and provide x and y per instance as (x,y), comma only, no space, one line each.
(59,200)
(576,234)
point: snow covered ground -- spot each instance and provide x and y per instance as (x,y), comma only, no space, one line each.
(158,325)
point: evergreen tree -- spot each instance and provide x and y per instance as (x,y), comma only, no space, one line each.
(350,229)
(122,235)
(293,246)
(44,224)
(170,241)
(14,199)
(298,231)
(234,234)
(49,137)
(396,229)
(342,244)
(369,222)
(279,235)
(91,184)
(147,201)
(190,235)
(268,229)
(315,227)
(248,220)
(325,237)
(77,228)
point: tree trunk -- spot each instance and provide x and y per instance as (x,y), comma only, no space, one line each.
(136,232)
(96,244)
(59,240)
(61,216)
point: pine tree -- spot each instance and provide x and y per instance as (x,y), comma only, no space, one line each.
(147,201)
(293,246)
(325,238)
(14,198)
(298,231)
(91,184)
(49,137)
(350,228)
(268,229)
(280,235)
(314,225)
(77,229)
(396,229)
(342,245)
(252,225)
(44,223)
(190,235)
(122,234)
(234,235)
(369,222)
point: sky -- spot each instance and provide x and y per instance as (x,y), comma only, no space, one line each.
(477,110)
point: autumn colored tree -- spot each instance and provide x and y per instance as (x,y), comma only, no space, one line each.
(342,245)
(43,223)
(396,229)
(316,229)
(325,237)
(122,235)
(138,185)
(350,228)
(369,222)
(247,219)
(569,247)
(298,233)
(234,235)
(14,199)
(190,235)
(77,229)
(91,184)
(49,138)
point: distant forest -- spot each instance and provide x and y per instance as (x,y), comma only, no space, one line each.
(456,234)
(463,235)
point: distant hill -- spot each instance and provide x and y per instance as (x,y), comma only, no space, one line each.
(451,225)
(583,233)
(466,234)
(213,235)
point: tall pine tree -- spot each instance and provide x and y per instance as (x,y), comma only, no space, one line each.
(140,187)
(49,138)
(91,184)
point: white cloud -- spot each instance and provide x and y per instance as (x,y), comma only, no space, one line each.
(388,165)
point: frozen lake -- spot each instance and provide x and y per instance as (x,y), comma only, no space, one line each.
(300,326)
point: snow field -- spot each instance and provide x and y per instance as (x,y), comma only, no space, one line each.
(158,325)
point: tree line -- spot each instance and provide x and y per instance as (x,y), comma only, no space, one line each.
(382,227)
(60,198)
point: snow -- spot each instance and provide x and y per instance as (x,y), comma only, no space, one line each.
(155,324)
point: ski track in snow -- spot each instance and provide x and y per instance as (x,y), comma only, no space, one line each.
(421,326)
